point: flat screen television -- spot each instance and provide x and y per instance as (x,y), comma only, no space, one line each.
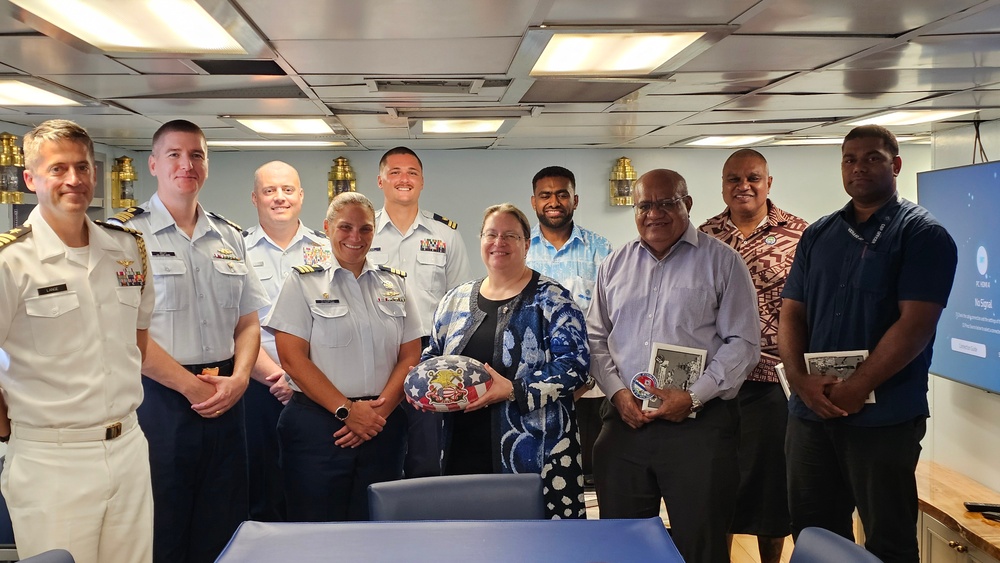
(966,200)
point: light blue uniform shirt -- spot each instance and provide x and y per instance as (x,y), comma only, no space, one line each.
(699,295)
(272,264)
(203,284)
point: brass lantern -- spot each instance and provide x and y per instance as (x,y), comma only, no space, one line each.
(622,182)
(11,168)
(123,183)
(341,178)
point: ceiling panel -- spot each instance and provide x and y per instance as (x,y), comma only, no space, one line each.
(382,133)
(562,142)
(888,81)
(361,92)
(623,132)
(391,19)
(714,82)
(220,106)
(645,12)
(42,55)
(613,119)
(767,102)
(743,53)
(163,85)
(970,99)
(800,118)
(937,51)
(985,21)
(371,121)
(855,17)
(397,57)
(159,66)
(690,103)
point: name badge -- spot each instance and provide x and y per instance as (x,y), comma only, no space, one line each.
(52,289)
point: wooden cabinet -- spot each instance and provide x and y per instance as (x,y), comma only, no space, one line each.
(941,544)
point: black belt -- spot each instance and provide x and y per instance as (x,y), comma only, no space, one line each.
(225,367)
(302,399)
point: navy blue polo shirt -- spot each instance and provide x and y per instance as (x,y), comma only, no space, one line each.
(851,278)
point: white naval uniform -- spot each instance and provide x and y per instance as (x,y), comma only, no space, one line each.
(273,265)
(431,253)
(354,326)
(203,284)
(69,367)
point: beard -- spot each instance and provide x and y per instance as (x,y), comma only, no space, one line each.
(555,222)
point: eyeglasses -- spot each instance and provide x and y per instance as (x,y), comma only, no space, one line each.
(492,237)
(664,205)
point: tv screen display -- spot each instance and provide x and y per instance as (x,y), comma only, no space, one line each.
(966,200)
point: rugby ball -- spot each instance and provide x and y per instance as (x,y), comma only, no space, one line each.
(446,383)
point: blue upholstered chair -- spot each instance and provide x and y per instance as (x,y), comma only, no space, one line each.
(51,556)
(817,545)
(459,497)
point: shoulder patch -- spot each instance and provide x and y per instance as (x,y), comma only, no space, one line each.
(307,269)
(319,233)
(126,216)
(13,235)
(139,242)
(215,215)
(446,221)
(399,273)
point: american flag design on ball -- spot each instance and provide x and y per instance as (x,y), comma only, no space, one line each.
(446,383)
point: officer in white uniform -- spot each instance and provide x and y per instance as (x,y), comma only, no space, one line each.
(346,334)
(74,309)
(205,337)
(279,242)
(430,249)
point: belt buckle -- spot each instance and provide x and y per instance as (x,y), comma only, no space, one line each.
(113,431)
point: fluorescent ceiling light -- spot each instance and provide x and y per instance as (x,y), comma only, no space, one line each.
(444,126)
(264,144)
(803,141)
(610,53)
(171,26)
(911,117)
(305,126)
(17,93)
(729,141)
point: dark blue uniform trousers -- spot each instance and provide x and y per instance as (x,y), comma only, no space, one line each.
(325,482)
(267,494)
(199,474)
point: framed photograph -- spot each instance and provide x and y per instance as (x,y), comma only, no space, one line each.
(674,367)
(838,364)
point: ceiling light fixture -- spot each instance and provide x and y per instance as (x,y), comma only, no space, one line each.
(18,93)
(729,141)
(611,54)
(461,126)
(909,117)
(291,126)
(276,144)
(164,26)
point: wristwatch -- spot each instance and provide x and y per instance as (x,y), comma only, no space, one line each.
(695,402)
(343,411)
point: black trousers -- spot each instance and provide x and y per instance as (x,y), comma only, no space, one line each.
(267,493)
(424,438)
(691,465)
(833,467)
(325,482)
(199,473)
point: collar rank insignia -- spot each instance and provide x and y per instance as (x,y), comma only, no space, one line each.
(399,273)
(307,269)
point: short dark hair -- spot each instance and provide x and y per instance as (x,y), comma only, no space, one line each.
(553,172)
(875,132)
(176,126)
(395,151)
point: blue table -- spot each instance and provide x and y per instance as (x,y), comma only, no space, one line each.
(452,540)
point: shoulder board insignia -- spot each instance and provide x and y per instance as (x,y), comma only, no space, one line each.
(13,234)
(215,215)
(139,242)
(307,269)
(319,233)
(127,215)
(446,221)
(399,273)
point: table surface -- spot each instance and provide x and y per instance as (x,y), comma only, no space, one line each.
(942,492)
(481,541)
